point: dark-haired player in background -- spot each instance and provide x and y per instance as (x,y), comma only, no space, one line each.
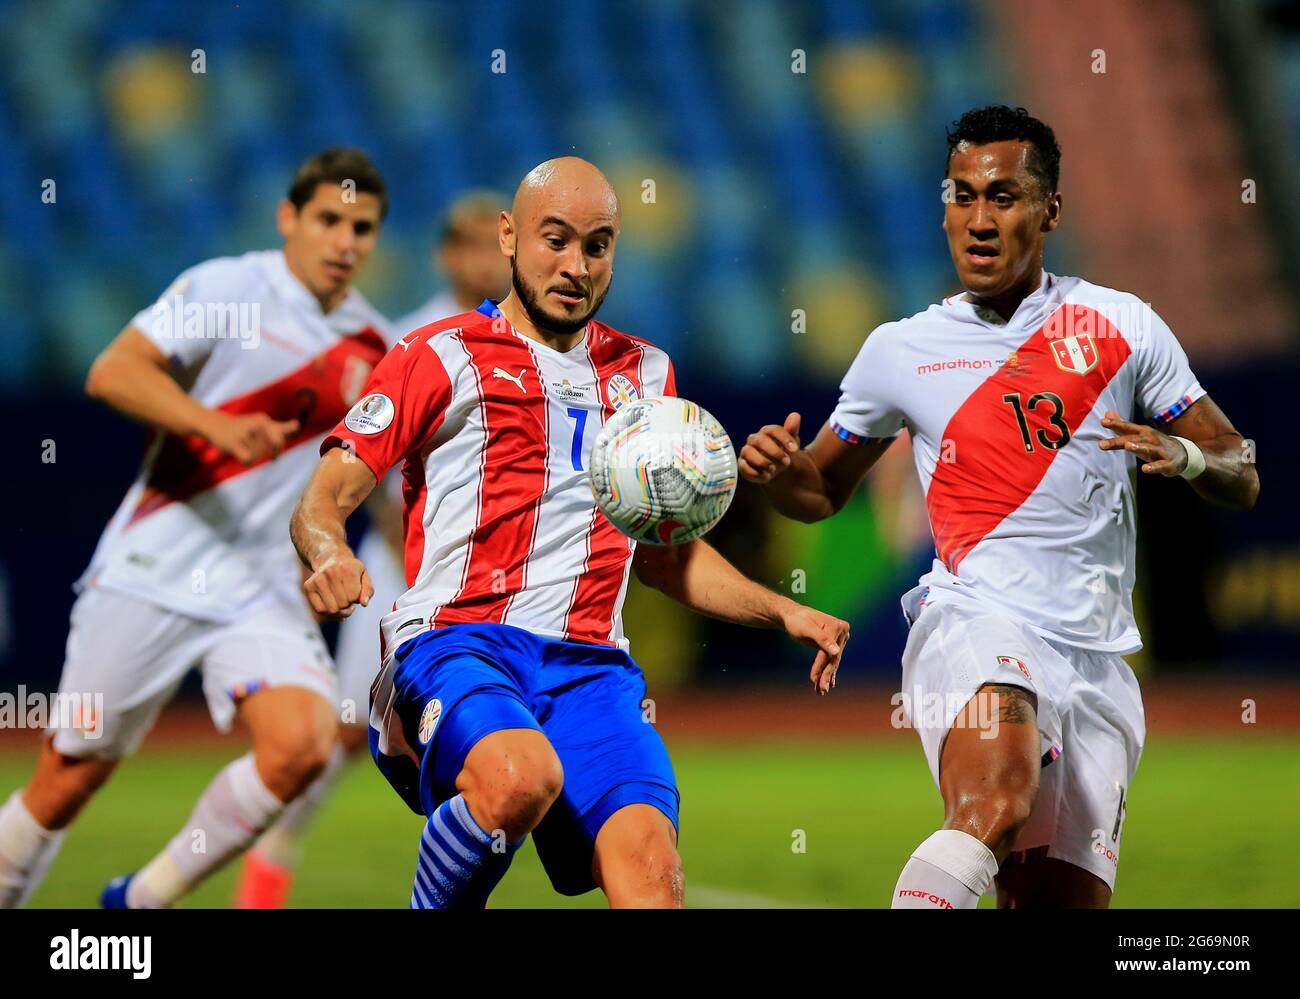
(239,370)
(469,255)
(1019,396)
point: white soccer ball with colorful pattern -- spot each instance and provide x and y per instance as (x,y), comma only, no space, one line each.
(663,470)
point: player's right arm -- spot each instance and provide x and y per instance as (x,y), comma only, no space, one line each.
(401,407)
(809,484)
(337,581)
(814,483)
(135,377)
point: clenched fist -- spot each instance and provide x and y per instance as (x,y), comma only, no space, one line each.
(766,454)
(336,588)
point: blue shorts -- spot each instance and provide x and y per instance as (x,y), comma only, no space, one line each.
(586,699)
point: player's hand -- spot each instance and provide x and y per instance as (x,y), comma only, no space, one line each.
(338,586)
(822,632)
(250,437)
(1159,453)
(766,454)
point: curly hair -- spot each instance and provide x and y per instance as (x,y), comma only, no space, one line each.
(999,123)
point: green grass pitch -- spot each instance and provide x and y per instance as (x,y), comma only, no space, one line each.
(1212,821)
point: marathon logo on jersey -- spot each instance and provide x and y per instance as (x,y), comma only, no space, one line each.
(429,720)
(1017,663)
(620,391)
(371,415)
(1076,354)
(956,364)
(173,318)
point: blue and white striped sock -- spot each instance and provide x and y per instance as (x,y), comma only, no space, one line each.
(459,864)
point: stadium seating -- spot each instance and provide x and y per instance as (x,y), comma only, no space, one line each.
(181,165)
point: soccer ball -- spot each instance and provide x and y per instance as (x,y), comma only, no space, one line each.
(663,470)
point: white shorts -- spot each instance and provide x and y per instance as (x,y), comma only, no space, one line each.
(130,656)
(357,655)
(1090,718)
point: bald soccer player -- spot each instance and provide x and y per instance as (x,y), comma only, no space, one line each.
(507,703)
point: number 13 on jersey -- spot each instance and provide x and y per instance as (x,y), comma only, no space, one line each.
(1056,418)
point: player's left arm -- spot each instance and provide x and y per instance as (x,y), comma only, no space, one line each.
(696,575)
(1229,479)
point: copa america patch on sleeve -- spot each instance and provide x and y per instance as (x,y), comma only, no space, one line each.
(370,415)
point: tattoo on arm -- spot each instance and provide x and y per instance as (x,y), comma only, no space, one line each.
(1015,705)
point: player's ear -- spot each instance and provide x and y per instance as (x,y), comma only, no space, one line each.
(286,218)
(1053,217)
(506,234)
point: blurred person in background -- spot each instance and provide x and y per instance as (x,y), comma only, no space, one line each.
(239,369)
(469,255)
(1017,394)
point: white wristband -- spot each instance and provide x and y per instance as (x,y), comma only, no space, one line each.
(1195,459)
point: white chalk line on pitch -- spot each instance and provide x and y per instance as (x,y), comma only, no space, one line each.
(700,896)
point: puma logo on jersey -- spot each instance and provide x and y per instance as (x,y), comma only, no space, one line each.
(517,379)
(404,345)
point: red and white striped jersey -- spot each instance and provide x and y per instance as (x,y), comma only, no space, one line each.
(1028,513)
(199,532)
(495,430)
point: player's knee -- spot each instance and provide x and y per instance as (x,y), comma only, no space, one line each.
(514,796)
(294,735)
(996,816)
(293,759)
(662,879)
(645,873)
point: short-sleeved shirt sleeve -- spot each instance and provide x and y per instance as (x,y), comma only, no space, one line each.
(866,409)
(401,408)
(1165,386)
(178,322)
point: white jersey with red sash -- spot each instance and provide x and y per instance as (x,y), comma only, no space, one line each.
(495,430)
(1028,514)
(199,532)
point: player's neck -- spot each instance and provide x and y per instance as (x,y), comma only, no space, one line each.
(517,316)
(1006,303)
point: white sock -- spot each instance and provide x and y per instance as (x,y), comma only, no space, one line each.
(229,816)
(27,849)
(950,870)
(282,843)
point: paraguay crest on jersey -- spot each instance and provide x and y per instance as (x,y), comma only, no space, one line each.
(620,391)
(429,720)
